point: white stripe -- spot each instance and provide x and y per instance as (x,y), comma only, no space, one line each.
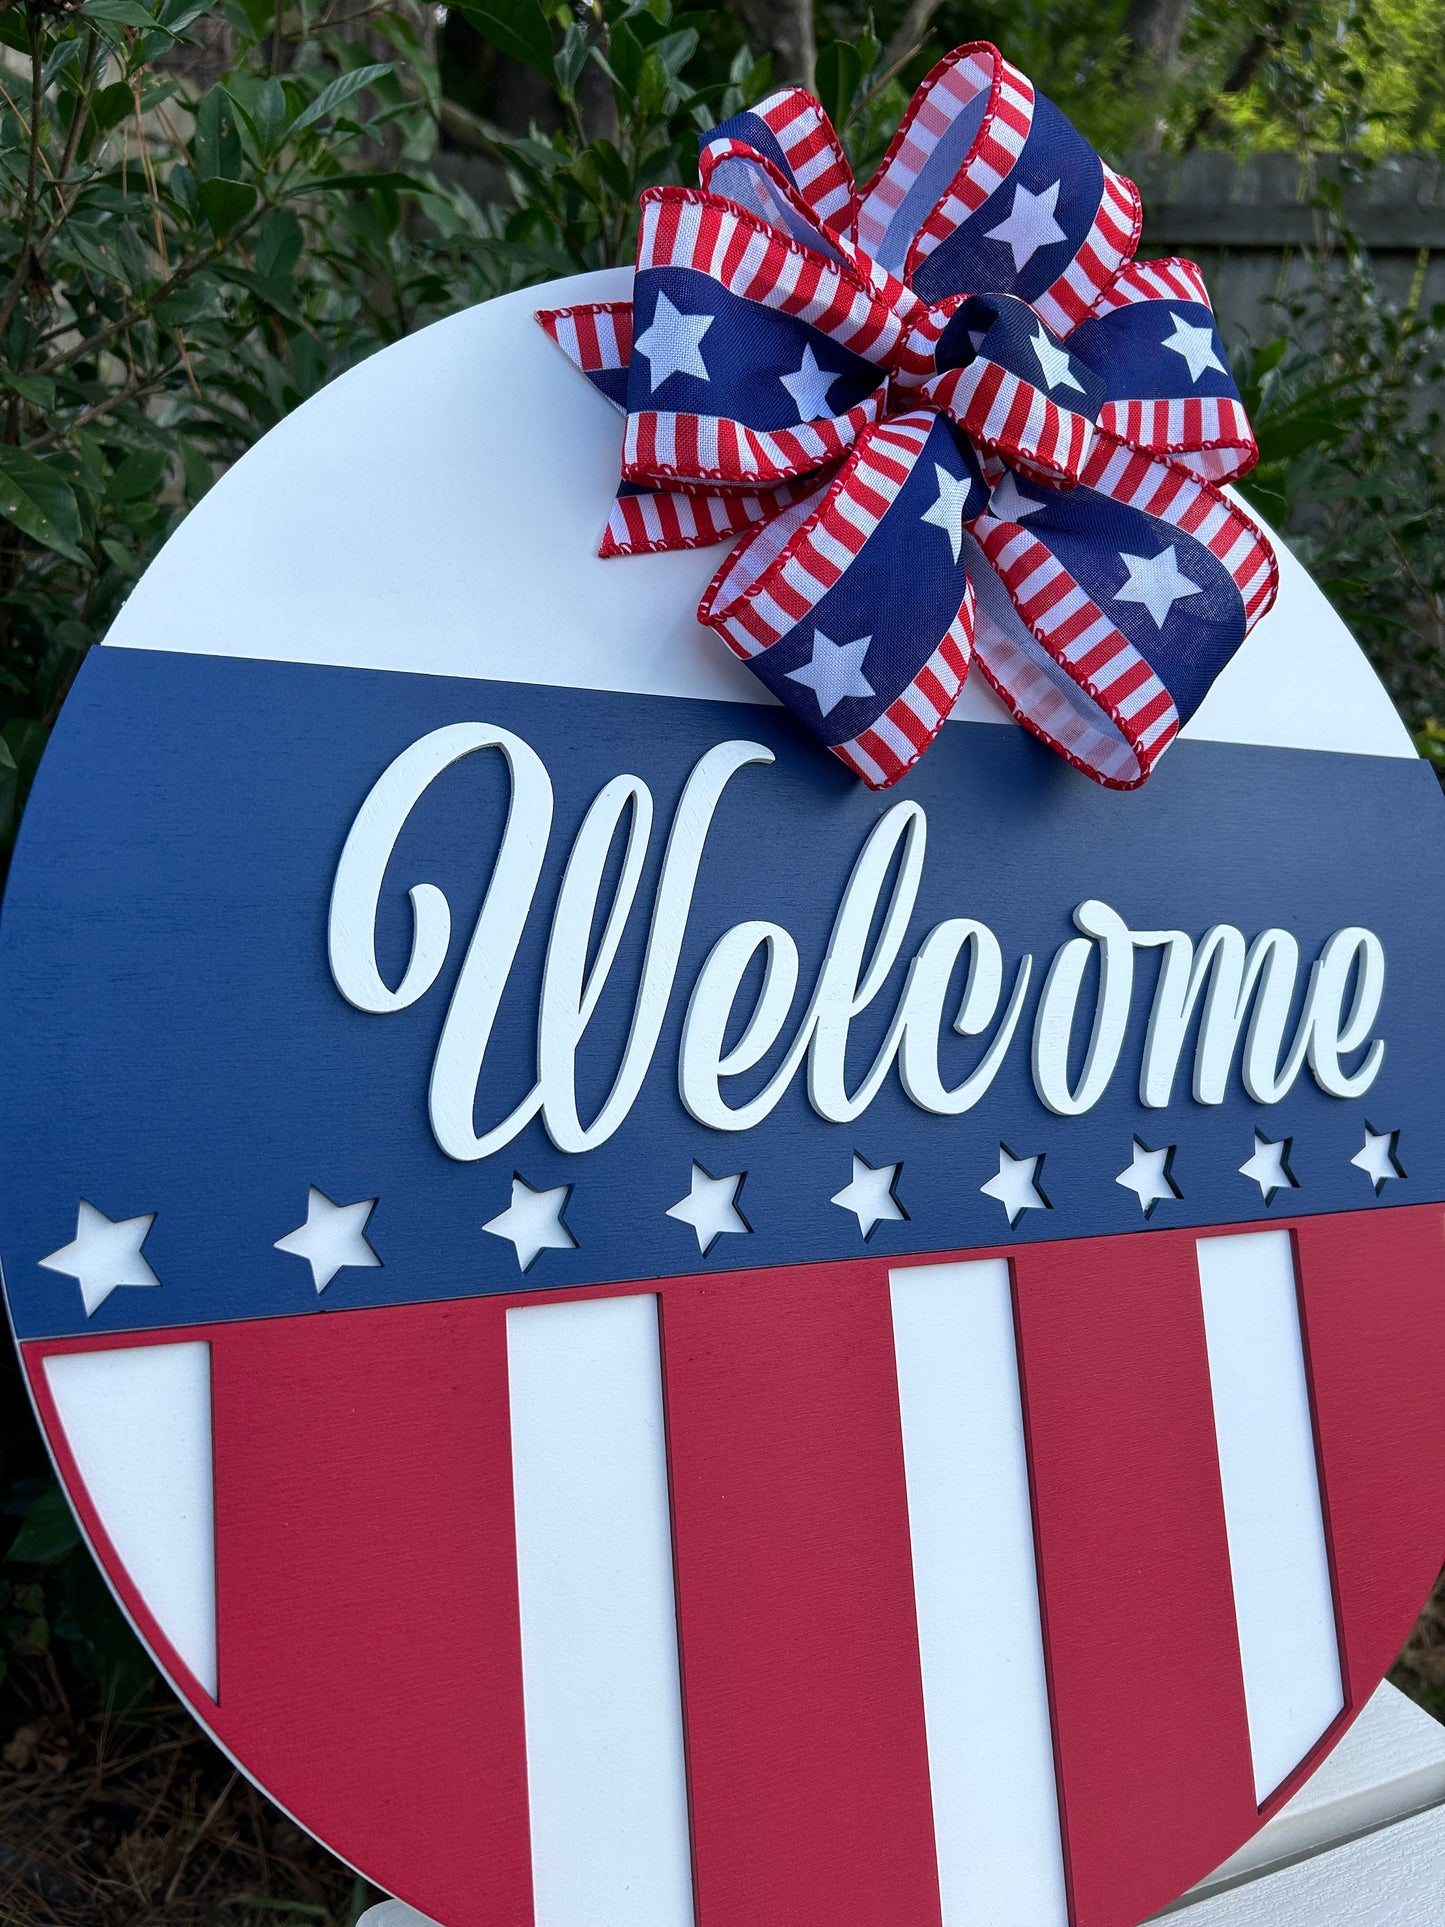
(138,1421)
(985,1693)
(605,1777)
(1283,1598)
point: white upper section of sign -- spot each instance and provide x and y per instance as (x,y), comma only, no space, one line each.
(438,510)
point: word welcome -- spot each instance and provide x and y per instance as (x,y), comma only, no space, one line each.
(1242,992)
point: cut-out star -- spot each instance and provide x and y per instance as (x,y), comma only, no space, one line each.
(1377,1159)
(808,385)
(1269,1167)
(672,342)
(104,1255)
(835,671)
(1156,582)
(711,1207)
(533,1221)
(332,1238)
(1057,369)
(1008,501)
(1030,225)
(871,1195)
(1195,344)
(1016,1184)
(948,511)
(1149,1176)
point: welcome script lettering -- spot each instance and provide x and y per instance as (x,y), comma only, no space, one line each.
(1242,992)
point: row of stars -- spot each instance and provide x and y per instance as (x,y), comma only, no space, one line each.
(105,1254)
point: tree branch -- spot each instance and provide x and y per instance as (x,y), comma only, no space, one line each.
(142,310)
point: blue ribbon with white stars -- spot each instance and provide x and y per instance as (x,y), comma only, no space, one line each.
(949,416)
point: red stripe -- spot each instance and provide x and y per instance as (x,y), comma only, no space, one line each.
(370,1657)
(1372,1287)
(801,1684)
(1150,1731)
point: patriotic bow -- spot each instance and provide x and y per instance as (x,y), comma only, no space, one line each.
(948,414)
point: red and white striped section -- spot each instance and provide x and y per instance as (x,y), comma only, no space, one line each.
(1004,414)
(453,1544)
(1107,248)
(1171,279)
(595,336)
(849,1592)
(653,521)
(945,160)
(812,150)
(661,446)
(1062,666)
(1206,433)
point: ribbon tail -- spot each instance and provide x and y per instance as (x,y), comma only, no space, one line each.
(815,601)
(655,521)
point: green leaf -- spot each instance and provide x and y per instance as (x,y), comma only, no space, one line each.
(38,392)
(674,50)
(269,111)
(278,245)
(40,502)
(571,57)
(197,469)
(139,476)
(226,203)
(124,559)
(7,761)
(48,1532)
(216,144)
(839,75)
(118,13)
(337,92)
(351,178)
(110,106)
(518,27)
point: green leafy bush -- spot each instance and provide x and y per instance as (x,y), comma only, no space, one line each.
(200,224)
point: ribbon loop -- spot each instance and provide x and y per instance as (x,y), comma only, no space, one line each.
(946,413)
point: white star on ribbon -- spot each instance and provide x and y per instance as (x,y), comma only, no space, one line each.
(1195,344)
(1016,1185)
(331,1238)
(1148,1176)
(1155,581)
(1376,1158)
(870,1195)
(808,385)
(1008,501)
(672,342)
(711,1207)
(1030,225)
(947,512)
(835,671)
(104,1255)
(1057,369)
(1269,1168)
(533,1221)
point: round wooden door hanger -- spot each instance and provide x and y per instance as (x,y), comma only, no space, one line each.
(649,1334)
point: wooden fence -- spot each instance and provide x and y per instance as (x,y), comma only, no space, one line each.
(1250,225)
